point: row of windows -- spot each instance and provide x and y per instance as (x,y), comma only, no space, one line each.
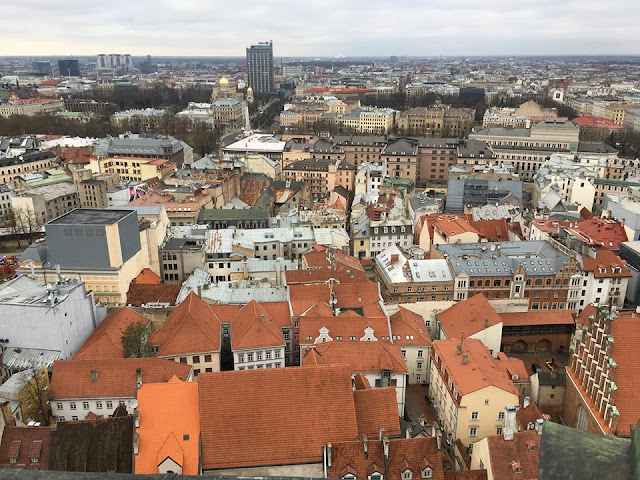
(267,355)
(87,405)
(260,366)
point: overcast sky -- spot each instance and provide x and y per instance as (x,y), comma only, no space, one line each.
(322,27)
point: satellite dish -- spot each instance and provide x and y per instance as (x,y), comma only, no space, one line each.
(133,403)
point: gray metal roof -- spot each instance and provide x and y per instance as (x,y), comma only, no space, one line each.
(16,358)
(503,258)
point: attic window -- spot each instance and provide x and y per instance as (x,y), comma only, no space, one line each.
(516,467)
(427,472)
(407,475)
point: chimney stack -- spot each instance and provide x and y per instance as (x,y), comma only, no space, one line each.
(381,433)
(328,454)
(94,375)
(438,438)
(465,358)
(138,377)
(408,431)
(365,444)
(200,291)
(421,419)
(509,429)
(385,445)
(459,349)
(261,318)
(526,402)
(539,424)
(486,324)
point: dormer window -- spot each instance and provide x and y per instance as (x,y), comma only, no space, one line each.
(427,472)
(407,475)
(516,467)
(349,476)
(602,269)
(375,476)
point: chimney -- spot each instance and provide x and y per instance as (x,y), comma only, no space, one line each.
(261,318)
(554,374)
(465,358)
(438,438)
(526,402)
(486,324)
(385,445)
(136,443)
(245,268)
(200,291)
(328,454)
(6,414)
(509,422)
(408,431)
(539,424)
(381,433)
(459,349)
(138,377)
(421,419)
(94,375)
(365,444)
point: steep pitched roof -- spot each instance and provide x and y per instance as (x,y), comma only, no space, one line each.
(23,444)
(169,426)
(607,260)
(414,454)
(506,456)
(468,317)
(147,277)
(114,377)
(529,414)
(362,357)
(253,327)
(303,297)
(105,341)
(376,408)
(319,408)
(346,325)
(496,230)
(408,328)
(191,328)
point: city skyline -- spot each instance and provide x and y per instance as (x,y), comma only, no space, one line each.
(405,28)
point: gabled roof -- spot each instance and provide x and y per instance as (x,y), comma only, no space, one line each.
(480,371)
(529,414)
(319,409)
(346,325)
(191,328)
(114,377)
(147,277)
(376,408)
(253,327)
(605,260)
(414,454)
(496,230)
(523,452)
(468,317)
(105,341)
(304,297)
(169,426)
(23,443)
(362,357)
(409,327)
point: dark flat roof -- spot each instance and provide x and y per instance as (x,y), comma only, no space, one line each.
(91,216)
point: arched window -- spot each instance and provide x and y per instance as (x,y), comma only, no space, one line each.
(581,418)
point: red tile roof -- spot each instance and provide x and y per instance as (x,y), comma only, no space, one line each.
(360,295)
(139,294)
(466,475)
(414,454)
(362,357)
(147,277)
(253,327)
(514,366)
(303,297)
(292,414)
(409,327)
(492,230)
(191,328)
(607,260)
(468,317)
(596,122)
(480,371)
(506,455)
(343,326)
(105,341)
(23,443)
(537,317)
(169,426)
(114,377)
(376,408)
(451,226)
(529,414)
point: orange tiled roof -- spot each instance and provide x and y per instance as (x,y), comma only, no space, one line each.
(318,408)
(191,328)
(115,377)
(360,382)
(346,325)
(169,426)
(492,230)
(538,317)
(468,317)
(480,371)
(466,475)
(603,232)
(406,453)
(524,450)
(303,297)
(607,260)
(376,408)
(625,331)
(454,225)
(360,295)
(362,357)
(147,277)
(409,326)
(105,341)
(253,327)
(514,366)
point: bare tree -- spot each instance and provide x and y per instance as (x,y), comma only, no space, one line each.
(135,341)
(37,394)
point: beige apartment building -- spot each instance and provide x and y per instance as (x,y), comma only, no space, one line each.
(133,168)
(92,189)
(38,205)
(228,112)
(469,389)
(13,167)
